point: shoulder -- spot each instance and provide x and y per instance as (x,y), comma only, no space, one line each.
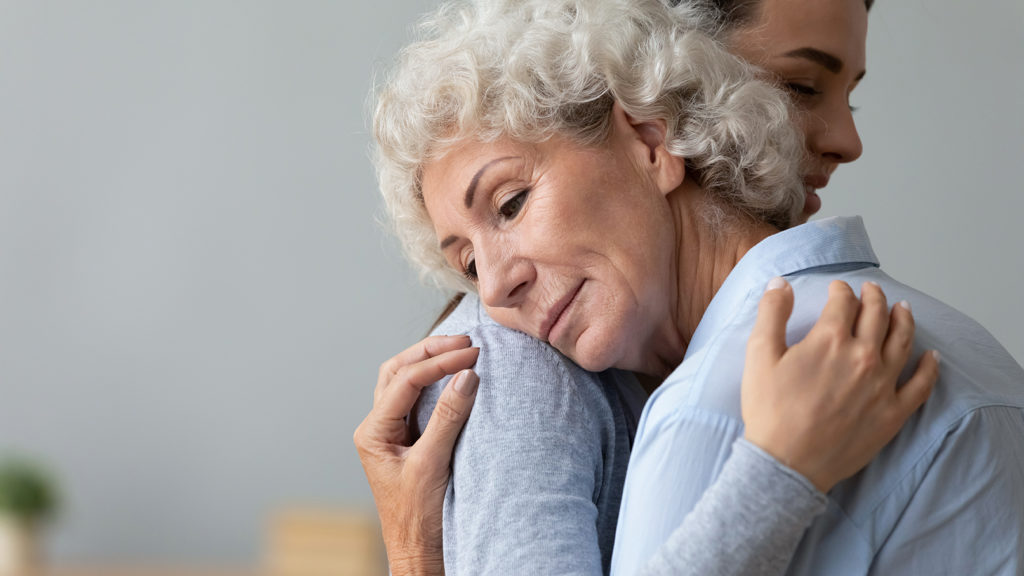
(522,380)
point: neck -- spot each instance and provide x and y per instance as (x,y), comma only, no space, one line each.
(710,240)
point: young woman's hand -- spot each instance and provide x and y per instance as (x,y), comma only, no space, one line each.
(408,479)
(827,405)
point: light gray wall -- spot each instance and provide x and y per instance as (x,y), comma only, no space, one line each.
(940,183)
(194,297)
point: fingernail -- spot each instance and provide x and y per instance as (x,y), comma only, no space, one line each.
(905,305)
(937,356)
(775,284)
(466,382)
(875,284)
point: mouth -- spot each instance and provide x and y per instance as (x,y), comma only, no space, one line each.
(812,183)
(556,312)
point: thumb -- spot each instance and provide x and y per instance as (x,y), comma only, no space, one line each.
(768,338)
(449,416)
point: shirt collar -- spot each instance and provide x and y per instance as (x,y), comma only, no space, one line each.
(827,242)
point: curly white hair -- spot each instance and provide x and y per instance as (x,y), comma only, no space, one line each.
(528,69)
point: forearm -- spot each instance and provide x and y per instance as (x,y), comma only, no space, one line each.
(748,522)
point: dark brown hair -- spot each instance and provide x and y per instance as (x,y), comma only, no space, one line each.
(736,13)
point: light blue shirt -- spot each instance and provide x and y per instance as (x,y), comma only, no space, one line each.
(946,496)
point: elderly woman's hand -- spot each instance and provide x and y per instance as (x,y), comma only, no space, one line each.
(409,479)
(827,405)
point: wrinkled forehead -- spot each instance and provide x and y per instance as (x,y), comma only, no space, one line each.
(450,178)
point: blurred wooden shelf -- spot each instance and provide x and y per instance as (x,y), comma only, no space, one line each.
(141,571)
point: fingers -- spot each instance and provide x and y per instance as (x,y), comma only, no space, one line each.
(873,319)
(840,311)
(449,416)
(401,394)
(899,340)
(768,338)
(912,395)
(422,350)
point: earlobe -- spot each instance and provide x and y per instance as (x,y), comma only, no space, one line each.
(649,137)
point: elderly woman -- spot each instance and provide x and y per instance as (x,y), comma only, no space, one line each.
(622,200)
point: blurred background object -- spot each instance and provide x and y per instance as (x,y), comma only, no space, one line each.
(319,542)
(28,498)
(195,295)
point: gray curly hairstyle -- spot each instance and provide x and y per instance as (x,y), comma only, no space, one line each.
(529,69)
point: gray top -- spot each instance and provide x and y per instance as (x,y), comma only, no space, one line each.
(538,472)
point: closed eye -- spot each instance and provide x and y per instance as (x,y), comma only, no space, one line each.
(801,89)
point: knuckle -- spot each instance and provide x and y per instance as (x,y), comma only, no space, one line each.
(902,340)
(834,334)
(447,411)
(418,462)
(866,359)
(386,369)
(401,373)
(359,437)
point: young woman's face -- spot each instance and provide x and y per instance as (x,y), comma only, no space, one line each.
(816,49)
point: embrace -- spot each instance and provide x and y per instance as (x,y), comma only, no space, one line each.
(659,365)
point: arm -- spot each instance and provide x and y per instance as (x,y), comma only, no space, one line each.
(757,509)
(748,522)
(409,480)
(529,465)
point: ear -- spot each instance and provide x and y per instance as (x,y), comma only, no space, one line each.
(647,139)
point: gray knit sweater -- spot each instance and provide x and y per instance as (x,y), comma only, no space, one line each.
(538,473)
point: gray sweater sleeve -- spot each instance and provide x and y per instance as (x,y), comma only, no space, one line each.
(527,467)
(748,522)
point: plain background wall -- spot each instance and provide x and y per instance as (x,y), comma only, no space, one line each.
(194,294)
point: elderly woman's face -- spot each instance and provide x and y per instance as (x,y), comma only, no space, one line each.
(816,48)
(572,245)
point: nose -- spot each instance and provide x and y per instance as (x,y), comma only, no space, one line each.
(833,134)
(503,279)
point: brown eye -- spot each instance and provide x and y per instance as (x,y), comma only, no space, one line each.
(510,209)
(470,271)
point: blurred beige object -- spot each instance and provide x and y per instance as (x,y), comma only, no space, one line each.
(325,543)
(19,546)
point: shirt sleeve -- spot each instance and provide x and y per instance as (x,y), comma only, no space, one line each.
(526,468)
(748,522)
(967,515)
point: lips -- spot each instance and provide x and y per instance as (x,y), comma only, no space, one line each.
(555,312)
(812,202)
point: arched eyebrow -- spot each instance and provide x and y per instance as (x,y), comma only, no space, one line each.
(824,59)
(471,192)
(471,189)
